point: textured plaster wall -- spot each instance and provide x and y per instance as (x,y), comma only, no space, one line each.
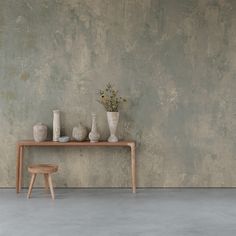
(173,59)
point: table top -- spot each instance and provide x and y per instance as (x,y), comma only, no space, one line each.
(75,143)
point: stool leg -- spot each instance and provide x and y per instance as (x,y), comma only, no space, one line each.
(51,186)
(31,185)
(46,182)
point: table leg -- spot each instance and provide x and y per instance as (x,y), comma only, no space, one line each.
(51,186)
(17,168)
(46,182)
(21,166)
(31,185)
(133,168)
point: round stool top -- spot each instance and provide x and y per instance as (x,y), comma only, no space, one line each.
(42,169)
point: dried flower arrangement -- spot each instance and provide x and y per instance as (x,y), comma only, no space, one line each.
(109,98)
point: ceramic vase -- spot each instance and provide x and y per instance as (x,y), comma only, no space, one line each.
(94,135)
(40,132)
(79,132)
(113,119)
(56,125)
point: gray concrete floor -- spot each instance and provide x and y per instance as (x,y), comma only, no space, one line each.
(111,212)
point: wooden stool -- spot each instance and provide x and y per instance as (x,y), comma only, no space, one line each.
(45,169)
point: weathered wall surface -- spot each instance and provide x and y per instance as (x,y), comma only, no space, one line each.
(173,59)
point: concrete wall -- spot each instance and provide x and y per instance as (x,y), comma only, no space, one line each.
(173,59)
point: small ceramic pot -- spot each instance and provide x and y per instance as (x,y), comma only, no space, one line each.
(40,132)
(79,132)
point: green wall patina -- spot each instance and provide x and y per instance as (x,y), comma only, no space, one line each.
(173,59)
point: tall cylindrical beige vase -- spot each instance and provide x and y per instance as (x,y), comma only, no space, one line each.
(56,125)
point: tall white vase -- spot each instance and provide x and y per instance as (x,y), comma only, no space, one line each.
(113,119)
(56,125)
(94,136)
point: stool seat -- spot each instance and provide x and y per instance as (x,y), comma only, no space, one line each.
(42,169)
(46,170)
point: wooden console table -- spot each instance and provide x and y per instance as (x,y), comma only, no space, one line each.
(30,143)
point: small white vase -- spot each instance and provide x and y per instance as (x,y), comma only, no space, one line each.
(79,132)
(56,125)
(94,136)
(40,132)
(113,119)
